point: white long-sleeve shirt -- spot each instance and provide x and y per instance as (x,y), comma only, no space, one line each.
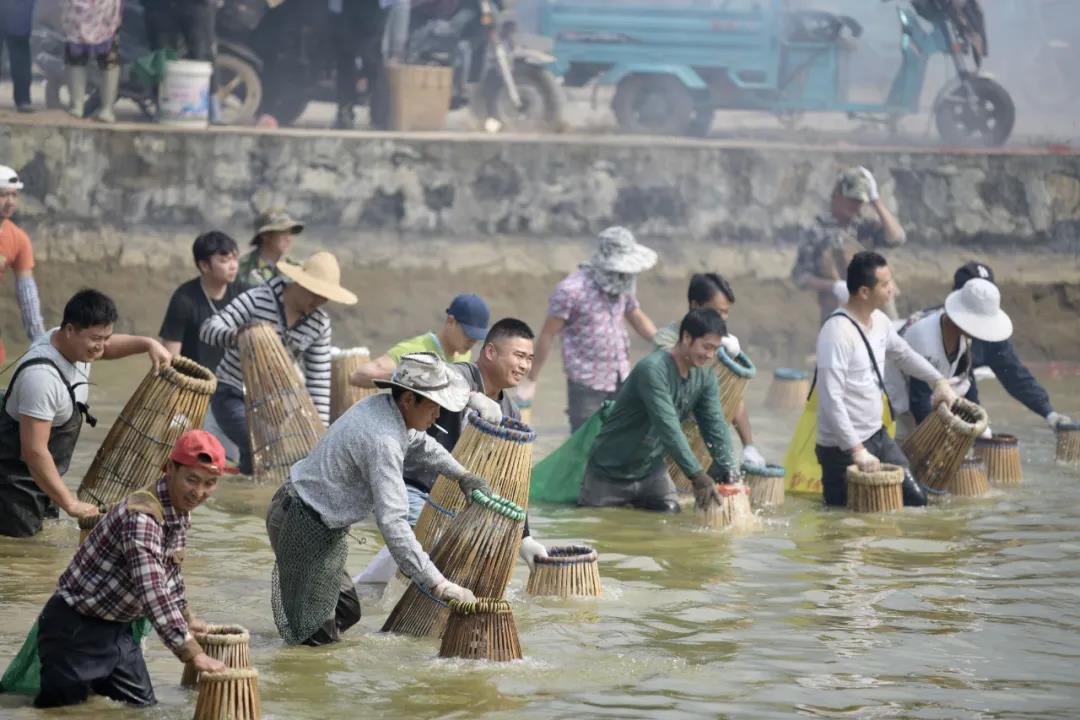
(849,396)
(924,336)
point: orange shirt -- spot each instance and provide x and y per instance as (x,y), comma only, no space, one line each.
(15,250)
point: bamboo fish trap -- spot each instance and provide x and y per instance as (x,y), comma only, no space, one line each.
(231,644)
(501,453)
(766,485)
(733,374)
(788,389)
(701,452)
(878,491)
(733,512)
(283,424)
(231,694)
(161,409)
(942,440)
(970,479)
(568,570)
(1068,443)
(1001,453)
(477,551)
(483,630)
(344,395)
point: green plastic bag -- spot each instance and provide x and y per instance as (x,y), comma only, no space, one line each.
(557,478)
(23,674)
(150,69)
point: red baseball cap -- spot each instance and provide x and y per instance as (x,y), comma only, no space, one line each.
(199,448)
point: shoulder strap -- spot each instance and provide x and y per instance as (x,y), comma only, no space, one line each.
(146,502)
(869,352)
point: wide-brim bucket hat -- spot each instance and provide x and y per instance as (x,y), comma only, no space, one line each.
(976,310)
(620,252)
(321,275)
(428,376)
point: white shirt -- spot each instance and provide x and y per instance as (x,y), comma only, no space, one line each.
(924,337)
(42,394)
(849,397)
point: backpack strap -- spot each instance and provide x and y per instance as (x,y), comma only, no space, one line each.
(869,352)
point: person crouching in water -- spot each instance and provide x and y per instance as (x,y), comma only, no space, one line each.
(129,568)
(628,461)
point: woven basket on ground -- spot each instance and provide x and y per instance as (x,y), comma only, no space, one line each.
(1068,443)
(483,630)
(970,480)
(733,512)
(878,491)
(567,570)
(766,485)
(788,389)
(343,394)
(231,694)
(942,440)
(1001,453)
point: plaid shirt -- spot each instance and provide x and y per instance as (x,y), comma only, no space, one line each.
(595,344)
(129,567)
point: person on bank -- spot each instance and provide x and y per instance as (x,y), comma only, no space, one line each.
(628,461)
(356,470)
(710,290)
(826,249)
(944,337)
(45,406)
(130,567)
(17,253)
(274,231)
(854,345)
(587,311)
(466,324)
(292,304)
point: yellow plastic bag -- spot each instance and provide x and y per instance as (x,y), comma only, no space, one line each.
(800,461)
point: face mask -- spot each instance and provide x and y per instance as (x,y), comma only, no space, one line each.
(610,282)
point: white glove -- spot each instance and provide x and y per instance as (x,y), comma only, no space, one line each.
(987,433)
(872,182)
(840,291)
(485,407)
(943,393)
(1053,419)
(866,460)
(447,590)
(960,384)
(751,456)
(530,550)
(730,343)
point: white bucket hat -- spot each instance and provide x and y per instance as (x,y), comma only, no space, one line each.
(9,179)
(321,275)
(426,375)
(976,310)
(620,252)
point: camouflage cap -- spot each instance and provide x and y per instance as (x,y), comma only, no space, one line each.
(276,220)
(853,183)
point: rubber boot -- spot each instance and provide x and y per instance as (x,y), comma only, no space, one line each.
(915,494)
(110,83)
(663,505)
(76,82)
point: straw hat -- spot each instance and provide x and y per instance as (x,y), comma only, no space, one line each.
(321,275)
(426,375)
(976,310)
(620,252)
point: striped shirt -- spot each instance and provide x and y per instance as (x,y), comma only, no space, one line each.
(308,341)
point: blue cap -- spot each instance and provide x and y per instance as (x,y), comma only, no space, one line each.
(472,312)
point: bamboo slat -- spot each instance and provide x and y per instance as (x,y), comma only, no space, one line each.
(788,389)
(231,644)
(231,694)
(701,452)
(766,485)
(1068,443)
(942,440)
(733,374)
(343,395)
(970,480)
(483,630)
(1001,453)
(568,570)
(733,512)
(877,492)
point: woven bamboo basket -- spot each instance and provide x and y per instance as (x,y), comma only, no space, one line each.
(483,630)
(734,374)
(344,395)
(477,551)
(231,694)
(788,389)
(766,485)
(1001,453)
(231,644)
(283,424)
(567,570)
(942,441)
(970,480)
(733,512)
(1068,443)
(701,452)
(161,409)
(501,454)
(879,491)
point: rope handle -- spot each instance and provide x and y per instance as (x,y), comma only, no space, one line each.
(482,606)
(498,505)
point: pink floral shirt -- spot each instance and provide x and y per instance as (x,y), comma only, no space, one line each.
(595,343)
(90,22)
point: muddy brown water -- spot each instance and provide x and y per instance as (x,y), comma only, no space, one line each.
(968,609)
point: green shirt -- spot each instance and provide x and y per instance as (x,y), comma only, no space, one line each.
(667,337)
(644,426)
(428,342)
(254,270)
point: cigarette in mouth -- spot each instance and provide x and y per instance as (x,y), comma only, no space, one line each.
(441,429)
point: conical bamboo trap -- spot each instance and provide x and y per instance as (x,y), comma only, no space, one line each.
(766,485)
(1001,453)
(568,570)
(970,480)
(733,374)
(477,551)
(788,389)
(879,491)
(483,630)
(283,424)
(231,694)
(942,440)
(1068,443)
(343,394)
(501,454)
(231,644)
(701,452)
(733,512)
(162,408)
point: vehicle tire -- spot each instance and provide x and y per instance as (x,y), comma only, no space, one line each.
(541,100)
(987,122)
(239,90)
(653,104)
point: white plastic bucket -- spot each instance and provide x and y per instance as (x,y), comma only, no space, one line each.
(184,93)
